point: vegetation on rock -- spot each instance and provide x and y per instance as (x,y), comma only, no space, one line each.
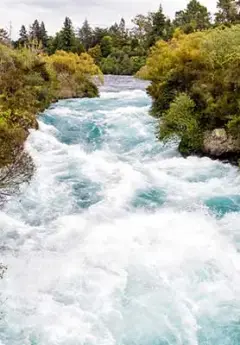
(195,85)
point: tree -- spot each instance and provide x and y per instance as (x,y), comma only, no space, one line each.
(122,27)
(96,53)
(86,35)
(67,38)
(158,24)
(154,27)
(106,46)
(98,34)
(4,37)
(35,31)
(194,17)
(142,29)
(23,36)
(228,12)
(43,35)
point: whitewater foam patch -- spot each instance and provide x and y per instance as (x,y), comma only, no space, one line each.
(116,240)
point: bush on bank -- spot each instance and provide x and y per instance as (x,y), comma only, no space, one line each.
(29,82)
(195,86)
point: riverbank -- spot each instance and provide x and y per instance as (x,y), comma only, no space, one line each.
(29,83)
(196,93)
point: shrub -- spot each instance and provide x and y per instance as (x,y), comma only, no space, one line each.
(74,73)
(203,67)
(29,82)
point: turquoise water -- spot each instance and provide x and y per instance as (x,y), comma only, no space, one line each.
(118,240)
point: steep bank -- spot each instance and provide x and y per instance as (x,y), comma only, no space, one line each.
(29,83)
(196,91)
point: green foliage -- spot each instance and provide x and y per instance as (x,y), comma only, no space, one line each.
(85,35)
(202,68)
(228,12)
(74,73)
(195,17)
(182,119)
(67,38)
(29,82)
(4,37)
(96,53)
(23,37)
(106,46)
(234,126)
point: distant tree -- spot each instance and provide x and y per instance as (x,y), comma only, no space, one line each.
(67,39)
(121,37)
(194,17)
(106,46)
(35,31)
(228,12)
(114,29)
(122,27)
(158,23)
(43,35)
(4,36)
(54,44)
(142,28)
(98,34)
(86,35)
(23,36)
(96,53)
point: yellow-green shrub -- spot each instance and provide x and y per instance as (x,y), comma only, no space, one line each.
(205,67)
(74,74)
(29,82)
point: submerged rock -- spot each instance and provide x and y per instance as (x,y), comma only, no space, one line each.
(219,144)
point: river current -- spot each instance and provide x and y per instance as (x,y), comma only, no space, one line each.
(118,240)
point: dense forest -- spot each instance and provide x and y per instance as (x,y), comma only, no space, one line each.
(192,61)
(116,49)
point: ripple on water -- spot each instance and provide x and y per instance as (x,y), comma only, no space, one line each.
(221,205)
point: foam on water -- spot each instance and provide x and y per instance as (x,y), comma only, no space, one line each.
(118,240)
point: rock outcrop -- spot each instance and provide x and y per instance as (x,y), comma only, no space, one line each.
(219,144)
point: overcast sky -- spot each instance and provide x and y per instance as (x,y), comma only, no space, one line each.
(98,12)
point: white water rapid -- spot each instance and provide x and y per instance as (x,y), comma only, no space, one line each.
(118,240)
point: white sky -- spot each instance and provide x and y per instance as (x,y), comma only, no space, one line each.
(98,12)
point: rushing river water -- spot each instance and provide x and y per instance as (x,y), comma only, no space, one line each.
(118,240)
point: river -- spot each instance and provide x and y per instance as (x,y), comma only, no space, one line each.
(118,240)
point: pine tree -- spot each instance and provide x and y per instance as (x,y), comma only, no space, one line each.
(228,12)
(35,31)
(4,36)
(67,36)
(122,27)
(158,29)
(86,35)
(23,36)
(98,34)
(195,17)
(158,23)
(43,35)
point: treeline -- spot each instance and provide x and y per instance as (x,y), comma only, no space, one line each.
(195,86)
(118,50)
